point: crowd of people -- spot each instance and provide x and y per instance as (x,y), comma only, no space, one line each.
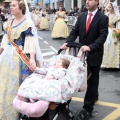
(20,52)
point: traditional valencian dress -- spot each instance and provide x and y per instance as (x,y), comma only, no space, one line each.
(12,69)
(36,19)
(111,57)
(60,28)
(44,21)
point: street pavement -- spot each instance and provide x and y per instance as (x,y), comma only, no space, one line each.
(108,105)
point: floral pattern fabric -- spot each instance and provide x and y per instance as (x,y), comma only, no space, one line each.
(54,90)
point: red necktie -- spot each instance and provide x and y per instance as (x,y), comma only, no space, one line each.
(88,22)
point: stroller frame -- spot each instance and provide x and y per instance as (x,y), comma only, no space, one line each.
(61,108)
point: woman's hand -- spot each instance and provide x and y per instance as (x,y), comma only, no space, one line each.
(32,64)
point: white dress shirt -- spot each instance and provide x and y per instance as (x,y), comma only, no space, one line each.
(93,14)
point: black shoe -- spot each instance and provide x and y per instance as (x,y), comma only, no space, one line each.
(82,115)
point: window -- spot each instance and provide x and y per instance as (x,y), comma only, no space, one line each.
(53,5)
(75,3)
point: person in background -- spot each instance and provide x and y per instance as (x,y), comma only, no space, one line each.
(2,16)
(44,21)
(111,58)
(36,18)
(60,28)
(76,17)
(37,12)
(2,20)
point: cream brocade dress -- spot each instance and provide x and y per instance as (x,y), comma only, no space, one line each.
(35,18)
(44,21)
(60,28)
(12,69)
(111,57)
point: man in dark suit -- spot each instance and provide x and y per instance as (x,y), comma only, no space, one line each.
(2,17)
(92,29)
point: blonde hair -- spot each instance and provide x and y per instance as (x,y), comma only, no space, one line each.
(21,6)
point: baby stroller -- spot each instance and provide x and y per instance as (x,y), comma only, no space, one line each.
(62,111)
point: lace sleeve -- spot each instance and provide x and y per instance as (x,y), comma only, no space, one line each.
(29,45)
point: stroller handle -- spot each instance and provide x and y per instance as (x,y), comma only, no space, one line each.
(71,44)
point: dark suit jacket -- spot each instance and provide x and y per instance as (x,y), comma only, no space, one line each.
(94,38)
(3,18)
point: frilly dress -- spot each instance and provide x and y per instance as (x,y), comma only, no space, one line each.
(60,28)
(12,70)
(44,21)
(35,18)
(111,57)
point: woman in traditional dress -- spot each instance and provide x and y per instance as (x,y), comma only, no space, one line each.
(60,28)
(21,31)
(37,12)
(111,58)
(44,21)
(36,18)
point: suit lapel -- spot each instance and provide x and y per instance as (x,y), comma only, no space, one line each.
(93,21)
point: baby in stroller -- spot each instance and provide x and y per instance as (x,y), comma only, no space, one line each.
(58,91)
(34,106)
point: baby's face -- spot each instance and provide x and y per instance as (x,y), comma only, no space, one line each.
(58,64)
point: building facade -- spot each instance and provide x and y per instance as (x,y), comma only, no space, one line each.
(68,4)
(56,3)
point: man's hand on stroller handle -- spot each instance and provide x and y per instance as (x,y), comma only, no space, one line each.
(64,46)
(85,48)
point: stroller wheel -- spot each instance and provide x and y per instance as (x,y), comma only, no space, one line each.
(23,117)
(82,115)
